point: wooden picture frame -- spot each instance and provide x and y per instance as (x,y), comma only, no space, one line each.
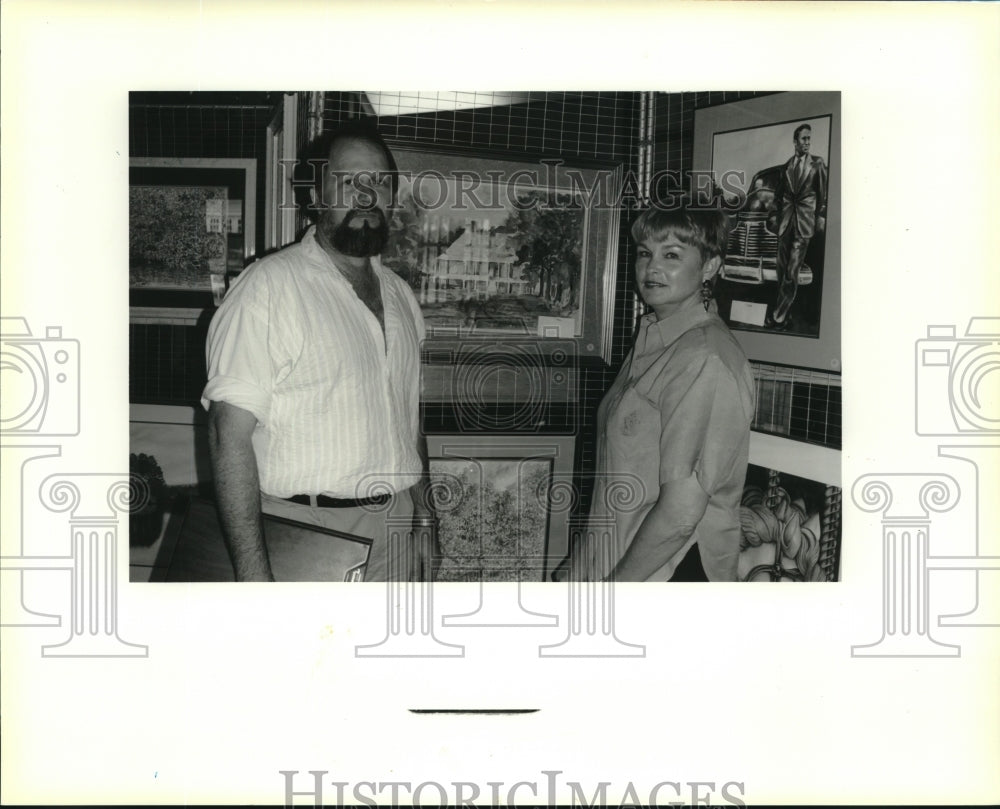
(499,245)
(192,227)
(511,488)
(196,551)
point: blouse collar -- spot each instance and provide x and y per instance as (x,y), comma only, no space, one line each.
(658,334)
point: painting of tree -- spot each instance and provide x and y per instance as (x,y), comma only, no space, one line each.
(545,234)
(404,252)
(169,243)
(496,260)
(497,529)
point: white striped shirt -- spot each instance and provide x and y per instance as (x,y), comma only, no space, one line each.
(294,345)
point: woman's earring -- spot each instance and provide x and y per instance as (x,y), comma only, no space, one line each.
(706,293)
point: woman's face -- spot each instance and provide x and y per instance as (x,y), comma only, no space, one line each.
(669,274)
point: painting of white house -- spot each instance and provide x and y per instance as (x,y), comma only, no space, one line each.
(488,251)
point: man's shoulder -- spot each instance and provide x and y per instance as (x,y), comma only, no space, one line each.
(292,258)
(285,257)
(258,281)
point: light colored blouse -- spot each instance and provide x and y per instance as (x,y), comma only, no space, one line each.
(680,407)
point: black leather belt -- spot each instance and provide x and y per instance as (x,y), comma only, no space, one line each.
(323,501)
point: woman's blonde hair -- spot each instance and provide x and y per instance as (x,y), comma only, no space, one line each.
(705,228)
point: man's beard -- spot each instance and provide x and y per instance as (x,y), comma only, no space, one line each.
(359,242)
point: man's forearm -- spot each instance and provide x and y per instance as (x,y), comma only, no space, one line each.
(237,490)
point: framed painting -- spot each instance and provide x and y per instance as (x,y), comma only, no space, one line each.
(499,503)
(298,551)
(191,229)
(791,528)
(776,162)
(496,246)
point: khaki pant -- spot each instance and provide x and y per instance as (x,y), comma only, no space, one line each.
(388,526)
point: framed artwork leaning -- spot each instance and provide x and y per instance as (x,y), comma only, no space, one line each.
(298,551)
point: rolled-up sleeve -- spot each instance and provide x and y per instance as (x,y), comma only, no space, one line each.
(703,422)
(238,355)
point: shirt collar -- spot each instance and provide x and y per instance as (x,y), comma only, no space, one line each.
(658,334)
(316,251)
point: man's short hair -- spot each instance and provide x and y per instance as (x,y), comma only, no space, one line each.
(312,164)
(799,128)
(705,228)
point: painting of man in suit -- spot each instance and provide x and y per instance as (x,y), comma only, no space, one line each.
(798,216)
(773,277)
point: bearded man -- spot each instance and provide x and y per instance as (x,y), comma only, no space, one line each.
(314,378)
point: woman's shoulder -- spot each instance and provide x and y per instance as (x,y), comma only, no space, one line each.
(711,345)
(711,337)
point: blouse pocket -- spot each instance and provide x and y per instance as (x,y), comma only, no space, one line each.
(634,419)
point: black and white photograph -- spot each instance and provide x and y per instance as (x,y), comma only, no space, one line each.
(538,245)
(390,446)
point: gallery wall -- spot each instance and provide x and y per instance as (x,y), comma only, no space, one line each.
(167,359)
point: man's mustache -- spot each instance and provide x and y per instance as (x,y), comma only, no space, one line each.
(355,213)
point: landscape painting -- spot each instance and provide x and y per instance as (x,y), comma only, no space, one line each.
(489,245)
(178,236)
(495,527)
(191,228)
